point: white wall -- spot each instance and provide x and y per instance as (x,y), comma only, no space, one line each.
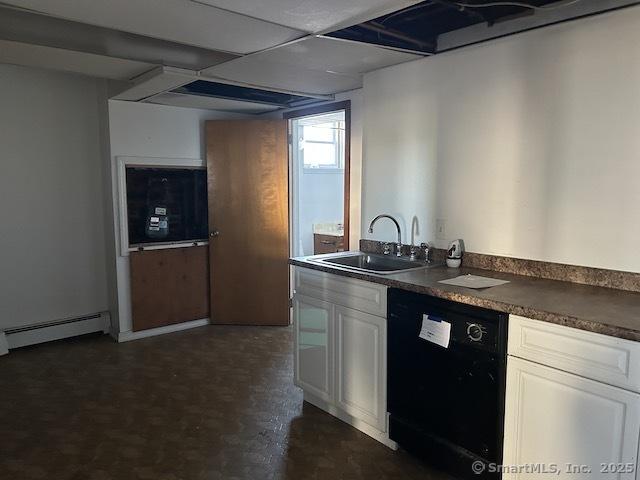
(52,216)
(528,146)
(146,130)
(321,200)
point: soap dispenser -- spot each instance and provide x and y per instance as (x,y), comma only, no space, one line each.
(454,253)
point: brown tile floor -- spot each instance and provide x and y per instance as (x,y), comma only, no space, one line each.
(211,403)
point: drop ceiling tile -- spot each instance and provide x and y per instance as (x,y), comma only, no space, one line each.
(282,76)
(210,103)
(69,61)
(338,56)
(315,65)
(182,21)
(312,15)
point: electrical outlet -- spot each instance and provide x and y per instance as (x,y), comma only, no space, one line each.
(441,229)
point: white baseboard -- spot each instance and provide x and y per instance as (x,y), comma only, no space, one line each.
(152,332)
(47,332)
(382,437)
(4,346)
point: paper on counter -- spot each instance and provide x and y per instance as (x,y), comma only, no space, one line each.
(435,331)
(474,281)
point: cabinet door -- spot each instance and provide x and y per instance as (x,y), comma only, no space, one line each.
(362,362)
(557,418)
(313,324)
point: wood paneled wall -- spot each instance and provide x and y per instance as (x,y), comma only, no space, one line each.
(169,286)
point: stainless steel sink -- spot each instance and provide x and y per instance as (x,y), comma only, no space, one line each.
(380,264)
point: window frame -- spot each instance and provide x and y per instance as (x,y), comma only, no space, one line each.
(339,147)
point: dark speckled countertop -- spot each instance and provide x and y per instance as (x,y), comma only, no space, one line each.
(596,309)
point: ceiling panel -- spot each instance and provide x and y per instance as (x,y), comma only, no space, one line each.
(211,103)
(312,15)
(335,55)
(283,76)
(180,21)
(69,61)
(27,27)
(313,65)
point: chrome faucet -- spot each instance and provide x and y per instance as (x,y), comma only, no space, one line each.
(384,215)
(425,249)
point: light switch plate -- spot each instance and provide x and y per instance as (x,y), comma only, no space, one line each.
(441,229)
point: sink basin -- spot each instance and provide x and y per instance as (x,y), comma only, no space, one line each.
(380,264)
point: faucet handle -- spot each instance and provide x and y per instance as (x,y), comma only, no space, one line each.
(386,248)
(426,248)
(413,250)
(398,249)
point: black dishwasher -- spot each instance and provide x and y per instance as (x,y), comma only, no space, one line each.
(446,403)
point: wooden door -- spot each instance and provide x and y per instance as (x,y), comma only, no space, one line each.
(247,165)
(554,418)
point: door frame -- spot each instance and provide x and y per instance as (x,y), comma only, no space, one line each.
(317,110)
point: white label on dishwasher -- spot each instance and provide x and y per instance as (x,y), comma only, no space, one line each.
(435,331)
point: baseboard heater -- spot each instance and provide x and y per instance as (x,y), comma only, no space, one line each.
(46,332)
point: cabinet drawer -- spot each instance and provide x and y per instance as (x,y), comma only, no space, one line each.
(327,243)
(348,292)
(600,357)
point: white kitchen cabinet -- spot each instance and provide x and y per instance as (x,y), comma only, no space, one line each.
(555,418)
(314,358)
(592,355)
(341,348)
(361,362)
(349,292)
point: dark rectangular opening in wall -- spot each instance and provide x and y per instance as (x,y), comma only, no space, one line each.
(166,205)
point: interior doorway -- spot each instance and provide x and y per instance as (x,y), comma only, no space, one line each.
(319,166)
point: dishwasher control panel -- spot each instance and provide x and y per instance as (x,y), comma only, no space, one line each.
(475,332)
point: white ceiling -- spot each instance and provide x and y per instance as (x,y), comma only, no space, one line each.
(313,65)
(181,21)
(17,53)
(332,55)
(271,34)
(312,16)
(198,101)
(284,76)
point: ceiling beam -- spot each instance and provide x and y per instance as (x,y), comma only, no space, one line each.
(32,28)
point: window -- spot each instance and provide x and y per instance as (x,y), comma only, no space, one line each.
(321,142)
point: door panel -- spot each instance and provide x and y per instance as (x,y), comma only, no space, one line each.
(248,208)
(313,322)
(169,286)
(361,356)
(557,418)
